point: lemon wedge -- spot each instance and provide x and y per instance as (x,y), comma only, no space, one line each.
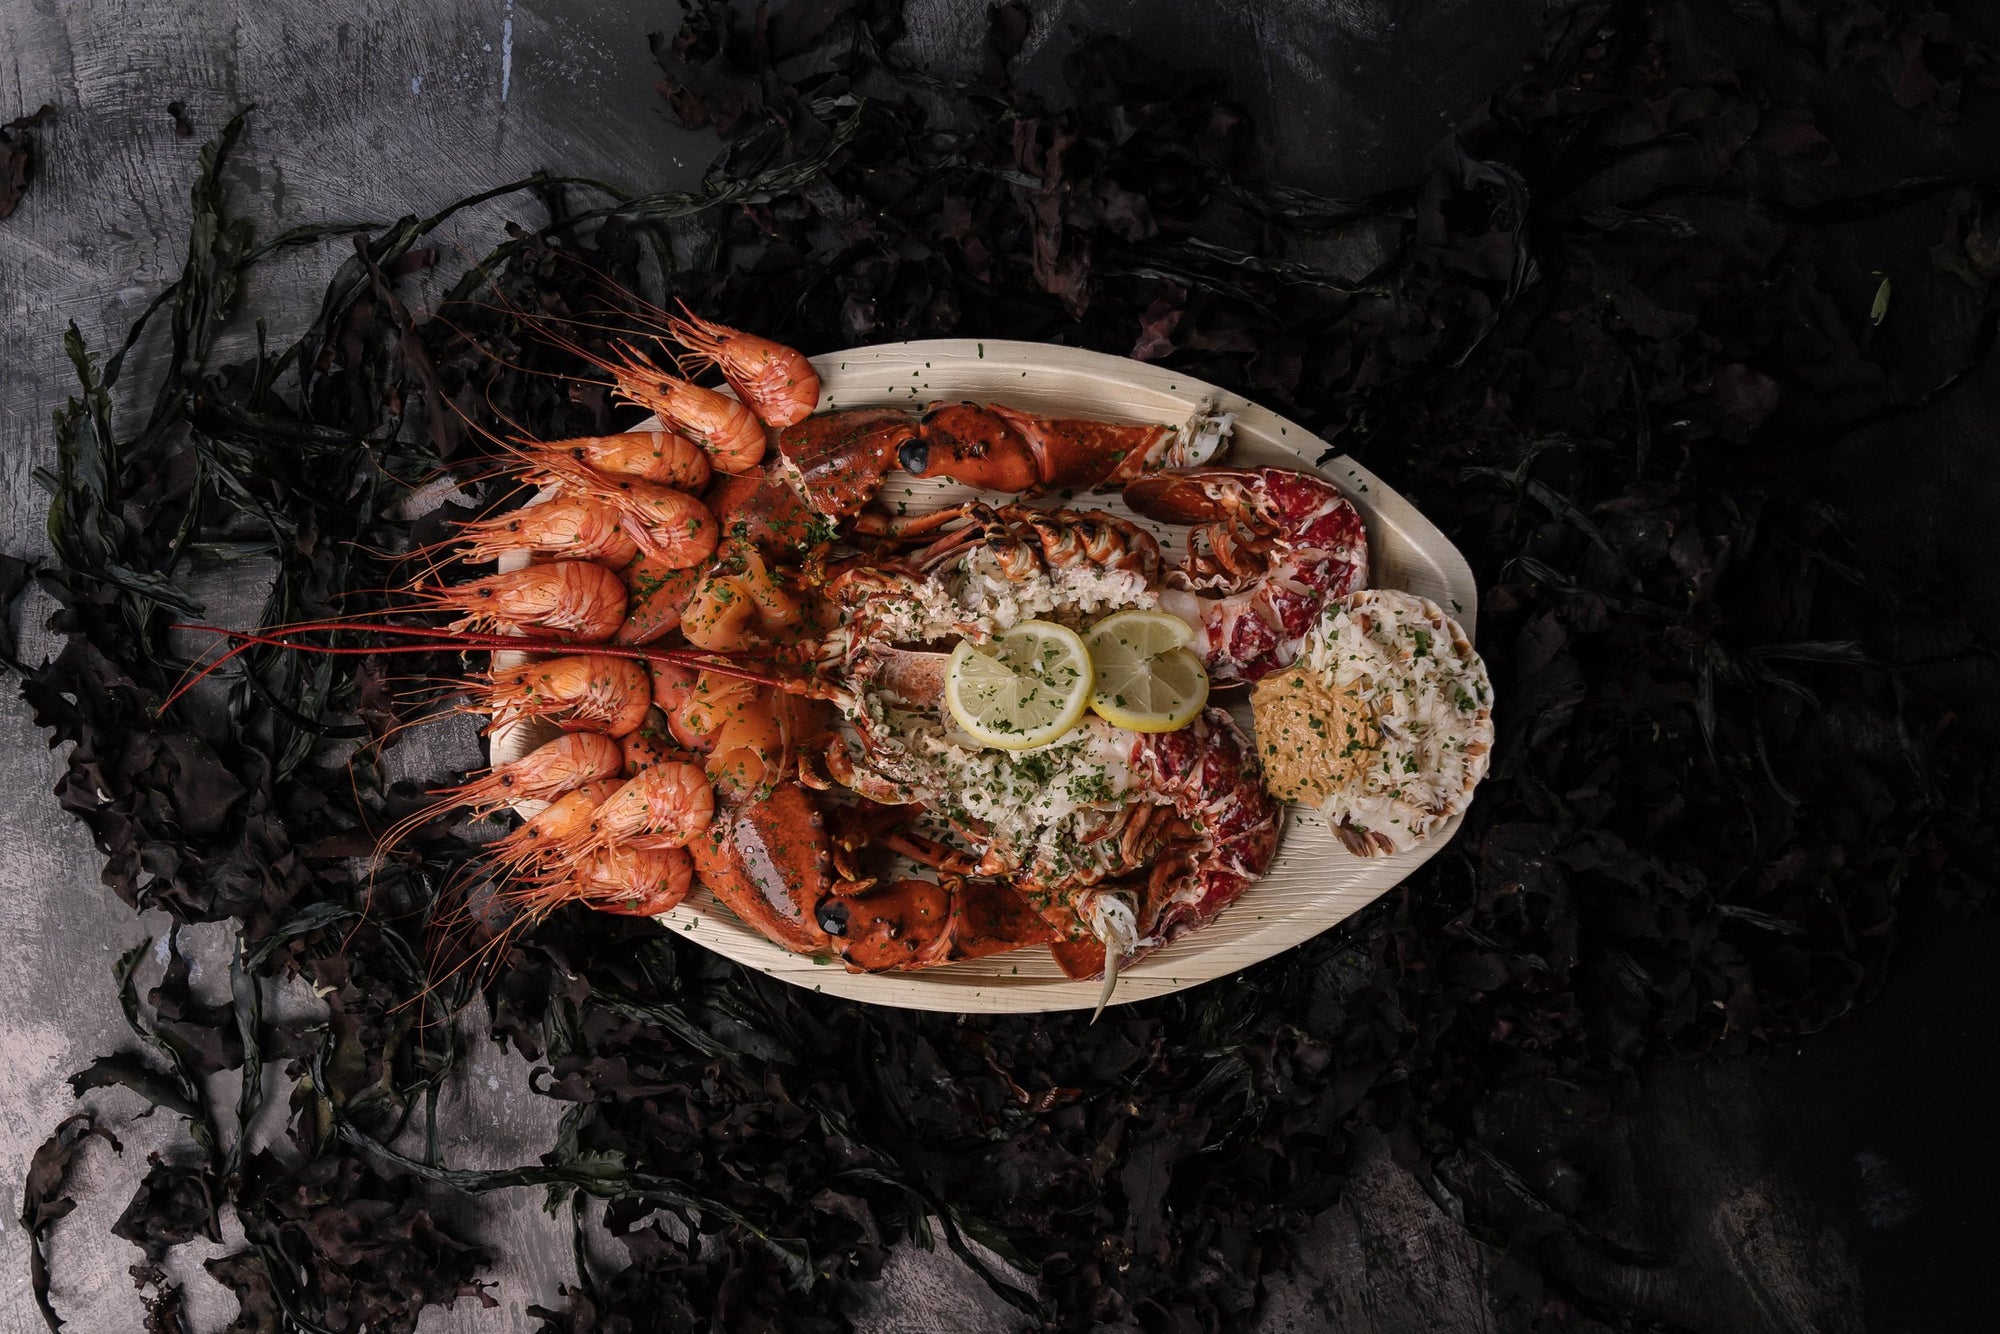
(1021,689)
(1147,678)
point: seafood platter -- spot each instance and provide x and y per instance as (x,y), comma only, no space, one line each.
(960,675)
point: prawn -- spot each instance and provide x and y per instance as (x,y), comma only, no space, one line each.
(665,458)
(661,807)
(697,710)
(574,527)
(582,692)
(672,683)
(574,598)
(533,844)
(776,381)
(650,745)
(739,603)
(749,731)
(672,527)
(723,426)
(659,596)
(569,762)
(634,882)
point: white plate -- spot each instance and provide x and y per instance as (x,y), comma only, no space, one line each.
(1314,882)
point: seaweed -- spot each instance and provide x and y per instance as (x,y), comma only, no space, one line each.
(17,157)
(43,1203)
(1721,775)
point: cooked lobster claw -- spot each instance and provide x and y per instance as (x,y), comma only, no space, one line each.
(975,444)
(1004,449)
(769,861)
(913,924)
(838,457)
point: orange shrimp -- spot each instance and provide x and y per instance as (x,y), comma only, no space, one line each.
(720,616)
(700,711)
(723,426)
(565,764)
(534,844)
(752,749)
(672,683)
(562,765)
(575,527)
(635,882)
(582,693)
(618,879)
(672,527)
(666,458)
(778,383)
(659,597)
(660,807)
(693,720)
(573,598)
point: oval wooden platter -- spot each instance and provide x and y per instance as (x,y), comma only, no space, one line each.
(1314,882)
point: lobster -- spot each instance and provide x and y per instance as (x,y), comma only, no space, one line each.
(837,459)
(1120,841)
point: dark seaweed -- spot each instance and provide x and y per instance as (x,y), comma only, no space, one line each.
(43,1202)
(17,157)
(1599,343)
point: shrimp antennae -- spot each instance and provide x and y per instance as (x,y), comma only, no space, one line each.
(434,641)
(189,683)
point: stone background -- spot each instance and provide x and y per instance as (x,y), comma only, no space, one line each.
(1839,1186)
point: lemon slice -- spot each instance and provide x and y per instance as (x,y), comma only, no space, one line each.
(1023,688)
(1147,678)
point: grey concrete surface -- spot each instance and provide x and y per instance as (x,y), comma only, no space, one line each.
(371,109)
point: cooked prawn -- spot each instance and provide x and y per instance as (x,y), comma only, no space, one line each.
(669,526)
(700,711)
(534,844)
(660,807)
(636,882)
(665,458)
(565,764)
(650,745)
(778,383)
(749,731)
(581,693)
(672,683)
(739,604)
(573,598)
(573,527)
(723,426)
